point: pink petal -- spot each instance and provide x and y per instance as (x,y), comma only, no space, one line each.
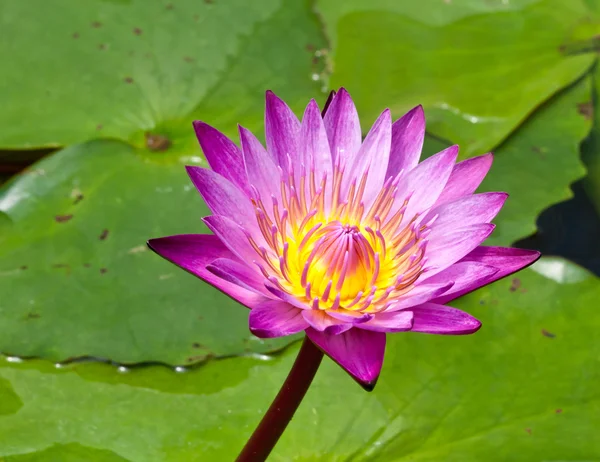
(398,321)
(371,159)
(466,178)
(466,211)
(343,127)
(355,317)
(322,322)
(467,276)
(313,145)
(504,259)
(223,197)
(408,134)
(274,318)
(431,318)
(445,249)
(359,352)
(281,131)
(222,155)
(262,171)
(425,183)
(193,252)
(421,293)
(234,237)
(240,274)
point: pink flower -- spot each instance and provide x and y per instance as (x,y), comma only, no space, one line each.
(343,238)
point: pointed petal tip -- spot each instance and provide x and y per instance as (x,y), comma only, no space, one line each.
(368,386)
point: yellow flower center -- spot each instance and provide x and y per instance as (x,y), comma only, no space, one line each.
(332,254)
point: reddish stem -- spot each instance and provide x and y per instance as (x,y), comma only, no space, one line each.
(281,411)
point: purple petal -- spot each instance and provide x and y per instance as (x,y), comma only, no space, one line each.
(343,127)
(239,274)
(355,317)
(233,236)
(425,183)
(359,352)
(281,131)
(223,197)
(408,134)
(322,322)
(274,318)
(420,294)
(222,155)
(313,145)
(467,276)
(431,318)
(371,159)
(290,299)
(505,259)
(398,321)
(466,178)
(193,252)
(262,172)
(445,249)
(466,211)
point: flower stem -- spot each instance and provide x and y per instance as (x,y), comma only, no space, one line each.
(281,411)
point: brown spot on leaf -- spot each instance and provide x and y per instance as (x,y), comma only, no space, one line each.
(102,46)
(23,268)
(33,315)
(62,218)
(60,265)
(87,265)
(103,234)
(196,17)
(157,142)
(137,31)
(586,110)
(545,333)
(128,80)
(103,270)
(75,35)
(99,127)
(528,430)
(78,199)
(188,59)
(169,6)
(96,24)
(515,284)
(558,411)
(310,47)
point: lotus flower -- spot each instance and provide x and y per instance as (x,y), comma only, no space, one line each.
(345,239)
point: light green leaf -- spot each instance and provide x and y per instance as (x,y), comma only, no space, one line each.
(523,388)
(478,77)
(118,69)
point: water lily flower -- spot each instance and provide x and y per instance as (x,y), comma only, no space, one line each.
(343,238)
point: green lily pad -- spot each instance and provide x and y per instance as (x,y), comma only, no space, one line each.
(77,278)
(118,69)
(75,274)
(522,388)
(479,68)
(537,163)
